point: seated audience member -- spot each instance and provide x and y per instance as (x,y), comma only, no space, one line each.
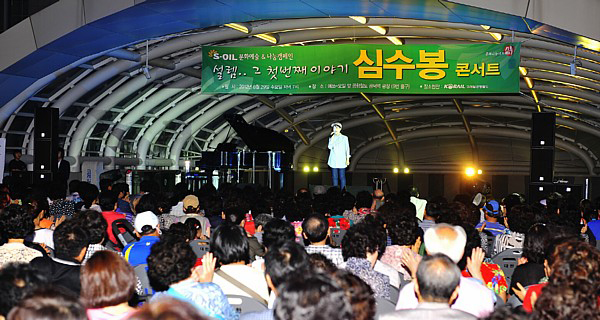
(321,263)
(316,230)
(492,275)
(48,304)
(492,215)
(518,220)
(96,227)
(123,202)
(229,245)
(360,248)
(436,288)
(260,222)
(148,231)
(568,260)
(358,293)
(283,262)
(107,284)
(361,209)
(16,224)
(237,217)
(451,240)
(42,234)
(575,299)
(108,204)
(532,270)
(167,309)
(171,268)
(60,208)
(278,231)
(432,212)
(89,195)
(312,297)
(197,230)
(16,281)
(376,224)
(404,234)
(192,211)
(71,240)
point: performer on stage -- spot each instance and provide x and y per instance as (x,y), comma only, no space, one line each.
(339,156)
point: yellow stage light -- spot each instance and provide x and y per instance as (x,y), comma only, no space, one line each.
(315,169)
(396,170)
(406,170)
(470,172)
(306,169)
(479,171)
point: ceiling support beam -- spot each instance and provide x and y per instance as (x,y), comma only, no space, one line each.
(381,113)
(285,116)
(467,125)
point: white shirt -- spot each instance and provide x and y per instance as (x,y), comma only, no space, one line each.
(339,151)
(389,271)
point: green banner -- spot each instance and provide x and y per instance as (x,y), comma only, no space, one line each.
(368,68)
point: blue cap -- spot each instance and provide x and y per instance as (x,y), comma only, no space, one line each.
(492,208)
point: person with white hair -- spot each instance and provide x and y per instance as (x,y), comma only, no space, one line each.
(339,155)
(473,296)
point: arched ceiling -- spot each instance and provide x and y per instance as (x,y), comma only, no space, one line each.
(110,108)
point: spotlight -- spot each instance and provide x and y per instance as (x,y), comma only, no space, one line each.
(479,171)
(306,169)
(406,170)
(315,169)
(396,170)
(470,172)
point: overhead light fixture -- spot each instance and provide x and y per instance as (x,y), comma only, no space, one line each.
(497,36)
(535,97)
(379,29)
(238,27)
(306,169)
(484,27)
(406,170)
(395,40)
(523,71)
(529,82)
(359,19)
(315,169)
(396,170)
(267,37)
(479,171)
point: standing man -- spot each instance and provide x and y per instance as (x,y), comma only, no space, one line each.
(64,170)
(339,156)
(16,164)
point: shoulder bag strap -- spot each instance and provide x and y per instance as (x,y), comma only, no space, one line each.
(240,285)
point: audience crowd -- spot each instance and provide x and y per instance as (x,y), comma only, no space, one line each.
(251,253)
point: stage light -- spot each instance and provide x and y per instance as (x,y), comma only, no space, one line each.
(238,27)
(379,29)
(267,37)
(568,189)
(529,82)
(523,71)
(470,172)
(406,170)
(315,169)
(396,170)
(395,40)
(359,19)
(306,169)
(496,36)
(479,171)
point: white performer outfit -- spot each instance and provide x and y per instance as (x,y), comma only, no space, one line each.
(339,155)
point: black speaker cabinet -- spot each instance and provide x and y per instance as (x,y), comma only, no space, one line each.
(45,144)
(539,191)
(542,129)
(542,165)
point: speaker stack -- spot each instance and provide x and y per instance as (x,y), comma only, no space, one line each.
(541,174)
(45,143)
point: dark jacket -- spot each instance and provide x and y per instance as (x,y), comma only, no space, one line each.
(256,249)
(59,272)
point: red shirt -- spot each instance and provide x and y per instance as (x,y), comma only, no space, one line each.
(537,288)
(111,216)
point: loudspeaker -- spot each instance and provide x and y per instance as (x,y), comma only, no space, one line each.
(539,191)
(542,165)
(45,144)
(542,129)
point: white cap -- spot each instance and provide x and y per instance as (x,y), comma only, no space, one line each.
(336,124)
(146,218)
